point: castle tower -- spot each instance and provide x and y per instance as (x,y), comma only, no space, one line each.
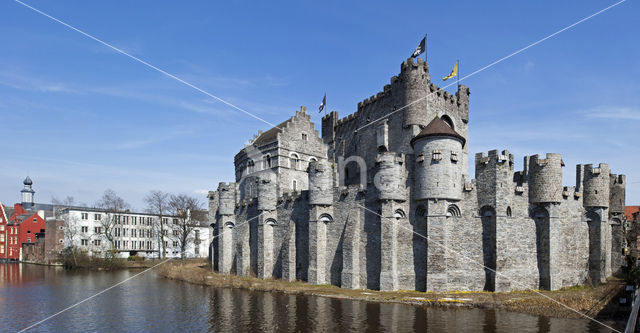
(27,193)
(320,216)
(545,178)
(226,224)
(389,181)
(595,188)
(494,177)
(267,220)
(414,82)
(438,173)
(617,187)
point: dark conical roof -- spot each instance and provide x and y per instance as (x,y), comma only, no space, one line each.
(438,127)
(27,181)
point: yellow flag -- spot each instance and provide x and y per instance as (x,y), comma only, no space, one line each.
(454,72)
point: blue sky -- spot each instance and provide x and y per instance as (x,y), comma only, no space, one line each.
(80,118)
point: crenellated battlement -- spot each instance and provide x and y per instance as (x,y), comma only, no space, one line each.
(545,178)
(595,185)
(495,159)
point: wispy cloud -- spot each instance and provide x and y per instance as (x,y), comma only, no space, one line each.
(613,112)
(33,83)
(138,143)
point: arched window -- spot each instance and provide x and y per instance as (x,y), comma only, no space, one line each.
(271,222)
(447,120)
(294,161)
(294,185)
(250,166)
(266,162)
(509,211)
(326,218)
(313,159)
(421,211)
(229,225)
(399,214)
(453,210)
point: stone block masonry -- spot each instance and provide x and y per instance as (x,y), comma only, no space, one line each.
(383,200)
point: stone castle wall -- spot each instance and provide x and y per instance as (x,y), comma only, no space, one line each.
(416,221)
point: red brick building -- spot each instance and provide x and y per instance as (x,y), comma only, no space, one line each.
(18,228)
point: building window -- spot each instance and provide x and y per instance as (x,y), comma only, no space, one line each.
(399,214)
(175,232)
(2,227)
(97,217)
(97,230)
(84,216)
(28,239)
(60,241)
(294,185)
(1,248)
(250,166)
(175,243)
(84,229)
(197,234)
(35,220)
(175,221)
(326,218)
(453,210)
(304,136)
(294,161)
(266,162)
(509,211)
(165,220)
(454,156)
(85,242)
(436,155)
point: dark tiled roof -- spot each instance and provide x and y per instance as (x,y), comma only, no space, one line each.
(437,127)
(270,135)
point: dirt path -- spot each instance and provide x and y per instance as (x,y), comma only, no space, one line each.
(598,301)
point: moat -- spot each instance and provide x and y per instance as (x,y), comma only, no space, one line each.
(29,293)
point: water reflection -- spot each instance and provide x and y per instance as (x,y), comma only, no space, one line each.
(148,303)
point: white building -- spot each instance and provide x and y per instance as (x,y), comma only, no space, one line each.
(135,234)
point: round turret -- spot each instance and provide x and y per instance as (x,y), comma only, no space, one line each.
(227,197)
(320,183)
(617,184)
(438,174)
(389,180)
(413,81)
(267,192)
(596,186)
(545,178)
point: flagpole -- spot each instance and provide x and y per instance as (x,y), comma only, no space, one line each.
(458,76)
(425,47)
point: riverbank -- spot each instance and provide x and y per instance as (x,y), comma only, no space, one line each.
(599,302)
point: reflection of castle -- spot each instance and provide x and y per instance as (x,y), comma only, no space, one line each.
(308,221)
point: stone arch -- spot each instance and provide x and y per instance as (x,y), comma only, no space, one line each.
(326,218)
(540,216)
(596,260)
(271,222)
(399,214)
(488,220)
(229,225)
(453,210)
(294,161)
(448,120)
(352,171)
(313,159)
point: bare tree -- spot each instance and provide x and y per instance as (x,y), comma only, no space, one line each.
(158,204)
(184,208)
(71,224)
(112,205)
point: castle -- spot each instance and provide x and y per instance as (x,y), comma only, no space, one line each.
(383,200)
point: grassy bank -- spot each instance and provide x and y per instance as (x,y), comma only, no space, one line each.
(600,301)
